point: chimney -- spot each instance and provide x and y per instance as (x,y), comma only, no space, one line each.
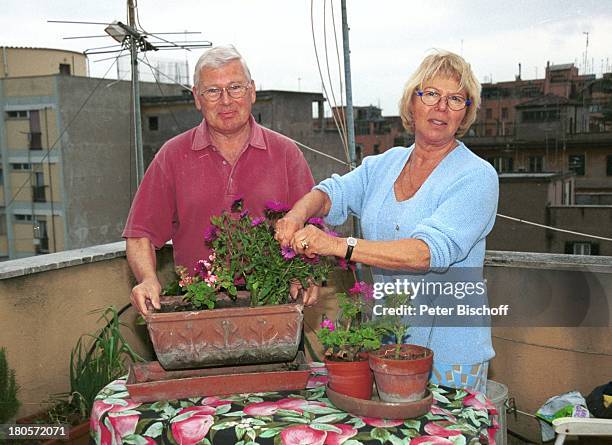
(518,77)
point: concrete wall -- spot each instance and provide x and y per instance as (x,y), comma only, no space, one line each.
(19,62)
(537,361)
(51,303)
(595,220)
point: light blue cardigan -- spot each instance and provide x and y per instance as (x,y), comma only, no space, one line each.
(452,213)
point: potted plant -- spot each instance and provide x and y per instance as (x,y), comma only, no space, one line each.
(347,343)
(401,371)
(235,307)
(90,370)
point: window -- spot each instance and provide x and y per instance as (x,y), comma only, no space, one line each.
(502,164)
(21,166)
(64,69)
(576,164)
(535,164)
(609,165)
(489,113)
(21,218)
(19,114)
(35,141)
(581,248)
(38,189)
(41,238)
(504,113)
(154,123)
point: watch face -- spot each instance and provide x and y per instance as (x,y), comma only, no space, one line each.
(351,241)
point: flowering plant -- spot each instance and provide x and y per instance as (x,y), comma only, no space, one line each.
(246,255)
(350,336)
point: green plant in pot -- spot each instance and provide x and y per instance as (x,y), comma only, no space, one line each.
(347,343)
(246,280)
(401,371)
(9,403)
(96,360)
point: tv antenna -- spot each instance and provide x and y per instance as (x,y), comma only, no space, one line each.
(131,36)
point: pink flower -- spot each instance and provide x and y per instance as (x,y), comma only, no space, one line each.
(478,401)
(430,440)
(435,409)
(257,221)
(261,409)
(287,252)
(214,401)
(316,222)
(366,290)
(437,429)
(211,234)
(123,425)
(195,428)
(211,279)
(302,435)
(99,408)
(334,438)
(327,323)
(277,207)
(332,233)
(319,380)
(381,423)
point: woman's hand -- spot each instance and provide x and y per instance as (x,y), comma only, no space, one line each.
(312,241)
(286,227)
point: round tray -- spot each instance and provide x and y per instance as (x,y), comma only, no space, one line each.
(377,408)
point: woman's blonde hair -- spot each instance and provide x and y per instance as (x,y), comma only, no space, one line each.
(445,64)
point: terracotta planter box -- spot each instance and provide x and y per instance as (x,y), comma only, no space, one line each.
(225,336)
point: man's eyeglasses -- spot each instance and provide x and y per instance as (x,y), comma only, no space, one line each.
(235,91)
(455,102)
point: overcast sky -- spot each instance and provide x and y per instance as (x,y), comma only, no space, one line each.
(388,39)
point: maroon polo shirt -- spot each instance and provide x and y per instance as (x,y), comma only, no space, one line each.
(189,181)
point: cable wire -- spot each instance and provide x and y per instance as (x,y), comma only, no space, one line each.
(511,218)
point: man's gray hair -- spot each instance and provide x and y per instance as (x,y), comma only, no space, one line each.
(217,57)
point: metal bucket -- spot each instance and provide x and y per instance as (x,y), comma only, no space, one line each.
(497,393)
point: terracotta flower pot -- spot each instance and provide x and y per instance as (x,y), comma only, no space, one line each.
(351,378)
(403,380)
(225,336)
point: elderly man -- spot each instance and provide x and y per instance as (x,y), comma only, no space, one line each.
(199,173)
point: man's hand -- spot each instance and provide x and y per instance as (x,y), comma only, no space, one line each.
(310,296)
(146,295)
(286,227)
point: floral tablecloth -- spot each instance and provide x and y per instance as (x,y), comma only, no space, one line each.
(457,417)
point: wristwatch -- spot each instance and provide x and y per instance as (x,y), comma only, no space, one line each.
(350,243)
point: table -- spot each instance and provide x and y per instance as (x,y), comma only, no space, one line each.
(296,417)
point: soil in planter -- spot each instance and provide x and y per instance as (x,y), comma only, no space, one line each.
(223,302)
(404,355)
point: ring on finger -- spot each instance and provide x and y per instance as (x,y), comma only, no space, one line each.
(304,244)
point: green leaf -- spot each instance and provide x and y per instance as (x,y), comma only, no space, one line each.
(331,418)
(234,414)
(440,398)
(183,416)
(222,409)
(352,442)
(412,423)
(380,434)
(314,409)
(159,406)
(223,426)
(457,440)
(270,432)
(254,399)
(357,421)
(251,434)
(240,432)
(134,439)
(325,427)
(287,412)
(409,433)
(295,420)
(396,440)
(154,430)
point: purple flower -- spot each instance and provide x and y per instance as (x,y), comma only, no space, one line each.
(346,265)
(316,222)
(366,290)
(331,232)
(328,324)
(287,252)
(211,234)
(244,213)
(257,221)
(277,207)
